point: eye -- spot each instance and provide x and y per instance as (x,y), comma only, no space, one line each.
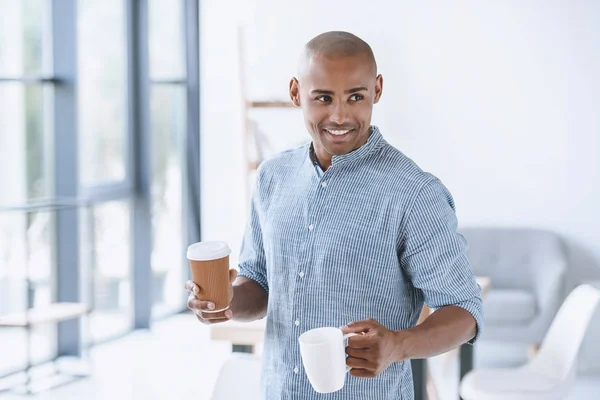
(324,99)
(356,97)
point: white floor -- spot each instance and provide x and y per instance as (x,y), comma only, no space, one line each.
(105,324)
(176,360)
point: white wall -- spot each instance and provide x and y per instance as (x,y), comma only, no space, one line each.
(223,206)
(500,100)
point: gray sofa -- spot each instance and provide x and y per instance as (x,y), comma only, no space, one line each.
(526,268)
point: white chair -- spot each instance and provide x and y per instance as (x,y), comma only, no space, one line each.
(239,379)
(551,373)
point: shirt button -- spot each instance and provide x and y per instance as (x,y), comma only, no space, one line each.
(310,227)
(301,274)
(297,322)
(296,370)
(324,184)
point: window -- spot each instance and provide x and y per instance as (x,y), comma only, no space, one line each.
(22,49)
(166,39)
(168,129)
(103,157)
(111,235)
(89,117)
(25,157)
(102,90)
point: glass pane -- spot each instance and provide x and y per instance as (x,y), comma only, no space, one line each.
(26,252)
(168,128)
(21,37)
(166,39)
(109,231)
(24,148)
(102,90)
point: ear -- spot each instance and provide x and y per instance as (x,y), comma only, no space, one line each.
(378,88)
(295,91)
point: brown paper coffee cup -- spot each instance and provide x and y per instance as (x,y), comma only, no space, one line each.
(209,263)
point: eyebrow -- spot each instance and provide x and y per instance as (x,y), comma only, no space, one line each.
(330,92)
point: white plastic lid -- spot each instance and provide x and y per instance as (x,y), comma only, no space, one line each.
(205,251)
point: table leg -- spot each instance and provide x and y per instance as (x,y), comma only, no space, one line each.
(419,371)
(466,360)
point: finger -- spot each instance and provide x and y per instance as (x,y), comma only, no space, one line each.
(362,373)
(199,305)
(191,286)
(216,321)
(360,363)
(358,353)
(232,275)
(361,342)
(216,315)
(360,326)
(227,315)
(210,321)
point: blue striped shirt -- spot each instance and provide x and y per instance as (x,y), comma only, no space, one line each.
(373,236)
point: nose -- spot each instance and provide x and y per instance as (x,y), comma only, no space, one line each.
(339,113)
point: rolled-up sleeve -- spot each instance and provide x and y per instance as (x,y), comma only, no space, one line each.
(434,255)
(252,261)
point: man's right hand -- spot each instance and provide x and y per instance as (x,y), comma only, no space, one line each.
(199,307)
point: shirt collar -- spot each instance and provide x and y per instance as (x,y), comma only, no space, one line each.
(372,143)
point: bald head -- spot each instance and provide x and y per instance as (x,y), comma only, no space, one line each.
(333,45)
(336,87)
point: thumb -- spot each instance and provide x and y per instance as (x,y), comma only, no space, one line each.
(359,326)
(232,275)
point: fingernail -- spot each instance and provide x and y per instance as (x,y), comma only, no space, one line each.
(211,306)
(228,313)
(194,289)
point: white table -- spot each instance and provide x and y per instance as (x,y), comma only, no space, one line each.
(244,336)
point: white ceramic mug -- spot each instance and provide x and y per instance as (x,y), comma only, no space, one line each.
(323,353)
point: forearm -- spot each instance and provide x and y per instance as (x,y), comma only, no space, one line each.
(249,301)
(445,329)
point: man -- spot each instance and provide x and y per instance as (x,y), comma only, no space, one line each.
(347,231)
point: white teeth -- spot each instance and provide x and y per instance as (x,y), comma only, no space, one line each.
(337,132)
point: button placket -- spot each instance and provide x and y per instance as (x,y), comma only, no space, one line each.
(304,258)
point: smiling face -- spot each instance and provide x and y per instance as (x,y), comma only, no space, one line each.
(336,95)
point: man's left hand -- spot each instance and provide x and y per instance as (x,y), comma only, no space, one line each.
(373,350)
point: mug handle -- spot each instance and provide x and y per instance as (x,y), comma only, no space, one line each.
(344,338)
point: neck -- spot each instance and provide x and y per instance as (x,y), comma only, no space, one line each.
(323,158)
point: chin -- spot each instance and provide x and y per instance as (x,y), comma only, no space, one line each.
(338,150)
(339,146)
